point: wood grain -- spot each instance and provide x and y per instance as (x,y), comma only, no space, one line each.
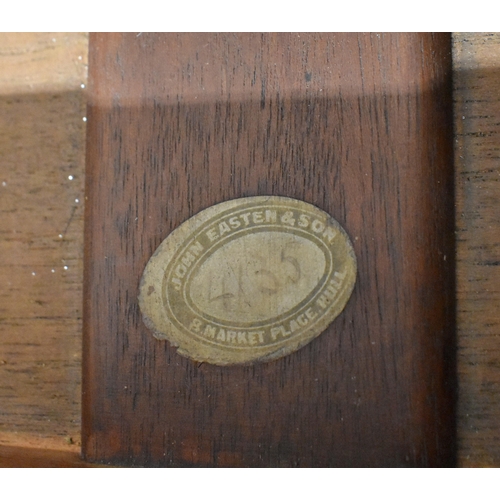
(34,63)
(359,125)
(41,238)
(27,457)
(32,66)
(477,125)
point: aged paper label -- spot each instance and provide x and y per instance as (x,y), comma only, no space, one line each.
(248,280)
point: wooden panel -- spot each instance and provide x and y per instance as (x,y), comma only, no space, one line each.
(477,111)
(41,238)
(29,457)
(32,63)
(359,125)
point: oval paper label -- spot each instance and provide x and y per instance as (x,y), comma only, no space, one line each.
(248,280)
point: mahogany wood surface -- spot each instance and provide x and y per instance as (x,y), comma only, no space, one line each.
(359,125)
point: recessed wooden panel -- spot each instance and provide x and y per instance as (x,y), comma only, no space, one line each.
(358,125)
(42,146)
(477,122)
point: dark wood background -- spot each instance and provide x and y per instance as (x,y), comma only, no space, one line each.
(359,125)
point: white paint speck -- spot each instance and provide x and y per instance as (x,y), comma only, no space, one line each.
(82,85)
(60,236)
(65,268)
(70,177)
(4,183)
(53,39)
(84,118)
(33,273)
(77,200)
(52,270)
(80,58)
